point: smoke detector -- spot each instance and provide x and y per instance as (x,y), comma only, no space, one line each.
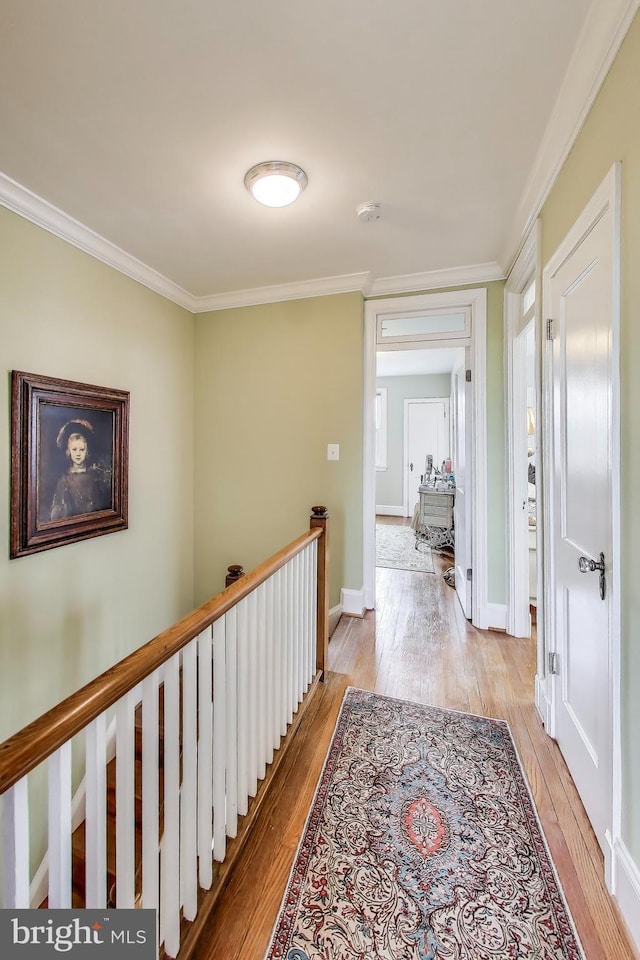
(368,212)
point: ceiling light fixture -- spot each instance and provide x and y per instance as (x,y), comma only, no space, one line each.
(275,183)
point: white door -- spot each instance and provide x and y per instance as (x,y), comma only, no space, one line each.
(461,520)
(426,431)
(579,297)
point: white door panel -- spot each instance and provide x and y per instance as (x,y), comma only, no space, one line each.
(581,304)
(426,431)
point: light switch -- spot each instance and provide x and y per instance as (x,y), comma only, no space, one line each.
(333,451)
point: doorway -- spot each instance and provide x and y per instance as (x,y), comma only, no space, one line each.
(465,326)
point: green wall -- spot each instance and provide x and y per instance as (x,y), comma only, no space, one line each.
(610,133)
(274,385)
(69,613)
(399,389)
(267,387)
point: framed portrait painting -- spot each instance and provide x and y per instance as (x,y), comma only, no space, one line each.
(69,462)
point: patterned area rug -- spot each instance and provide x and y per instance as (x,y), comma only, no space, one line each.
(396,547)
(422,844)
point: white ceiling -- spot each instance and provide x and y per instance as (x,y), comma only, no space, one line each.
(140,120)
(407,363)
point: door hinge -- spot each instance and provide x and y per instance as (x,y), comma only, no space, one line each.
(553,664)
(550,328)
(469,573)
(467,376)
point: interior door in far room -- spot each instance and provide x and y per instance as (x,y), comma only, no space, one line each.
(426,430)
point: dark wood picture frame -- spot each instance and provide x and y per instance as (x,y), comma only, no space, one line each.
(69,462)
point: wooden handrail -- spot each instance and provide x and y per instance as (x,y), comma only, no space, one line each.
(27,748)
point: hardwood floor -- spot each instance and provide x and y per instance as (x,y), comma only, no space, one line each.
(418,646)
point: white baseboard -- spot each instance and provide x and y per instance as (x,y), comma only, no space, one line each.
(334,616)
(626,889)
(492,616)
(352,602)
(385,511)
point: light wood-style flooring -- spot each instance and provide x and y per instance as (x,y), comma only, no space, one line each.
(417,646)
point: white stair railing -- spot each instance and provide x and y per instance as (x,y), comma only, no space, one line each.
(199,712)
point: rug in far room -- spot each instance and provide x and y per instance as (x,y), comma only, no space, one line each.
(396,548)
(422,843)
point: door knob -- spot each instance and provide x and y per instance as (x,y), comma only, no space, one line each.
(586,565)
(411,467)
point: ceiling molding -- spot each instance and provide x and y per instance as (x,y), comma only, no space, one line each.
(598,44)
(432,280)
(361,282)
(32,207)
(301,290)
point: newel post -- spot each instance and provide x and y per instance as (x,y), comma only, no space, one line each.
(320,518)
(234,572)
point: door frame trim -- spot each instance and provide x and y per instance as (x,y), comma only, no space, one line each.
(607,196)
(483,613)
(522,273)
(405,442)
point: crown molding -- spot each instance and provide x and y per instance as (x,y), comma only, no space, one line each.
(32,207)
(598,44)
(302,290)
(433,279)
(352,282)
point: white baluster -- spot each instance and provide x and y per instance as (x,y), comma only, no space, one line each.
(294,638)
(252,701)
(60,827)
(242,706)
(220,745)
(125,803)
(96,813)
(305,619)
(311,634)
(231,664)
(188,790)
(278,664)
(286,660)
(150,791)
(299,638)
(314,606)
(15,846)
(304,639)
(310,595)
(261,672)
(270,680)
(170,863)
(291,673)
(205,749)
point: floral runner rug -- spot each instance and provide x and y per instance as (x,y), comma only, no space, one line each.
(422,843)
(396,547)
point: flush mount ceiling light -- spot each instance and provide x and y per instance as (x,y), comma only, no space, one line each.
(275,183)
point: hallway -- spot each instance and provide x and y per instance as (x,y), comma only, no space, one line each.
(417,646)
